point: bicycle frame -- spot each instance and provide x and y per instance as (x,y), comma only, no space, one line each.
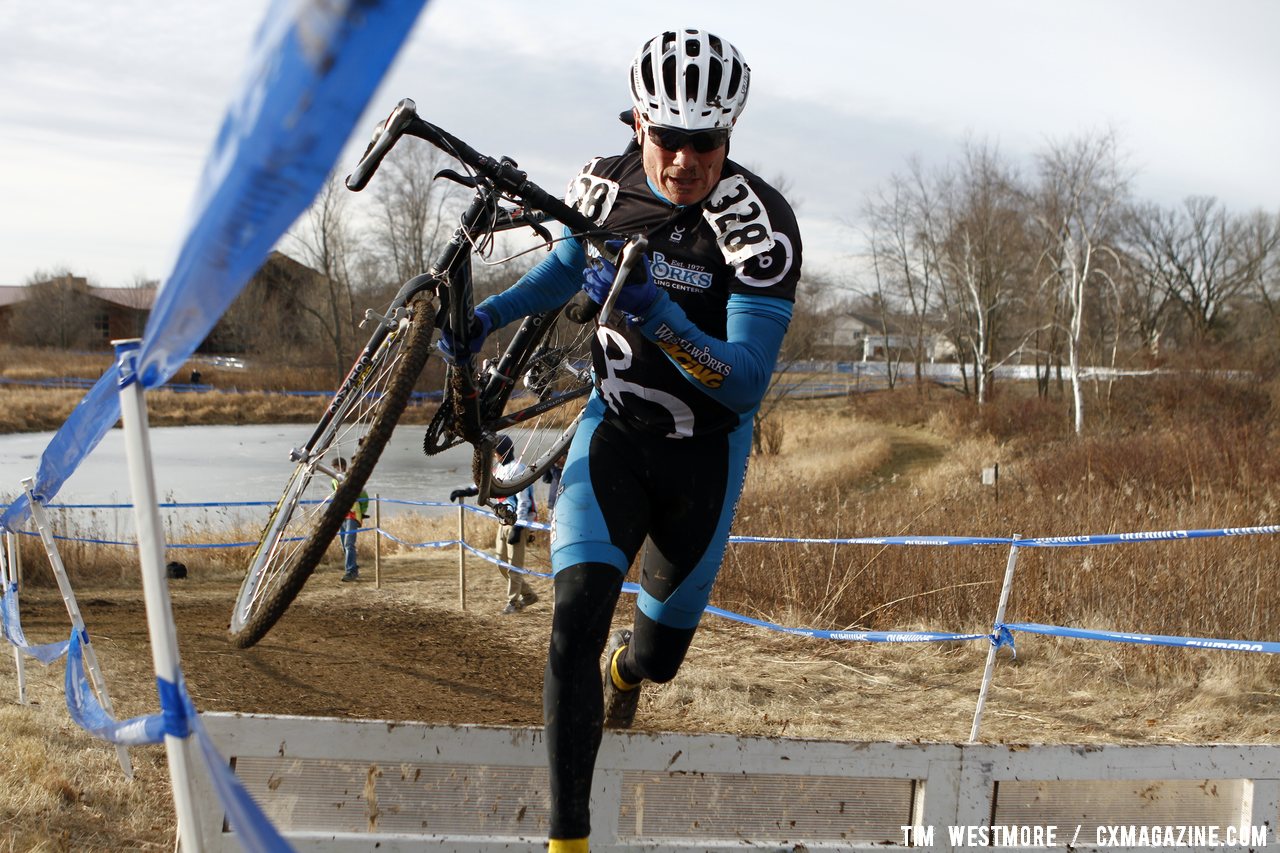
(371,398)
(450,280)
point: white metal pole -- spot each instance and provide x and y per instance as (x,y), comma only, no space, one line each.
(991,652)
(10,575)
(155,585)
(99,683)
(377,541)
(462,558)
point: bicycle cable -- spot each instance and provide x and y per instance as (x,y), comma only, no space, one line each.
(542,244)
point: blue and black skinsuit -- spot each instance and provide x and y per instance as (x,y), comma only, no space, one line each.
(661,452)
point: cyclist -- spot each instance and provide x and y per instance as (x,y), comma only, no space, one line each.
(661,452)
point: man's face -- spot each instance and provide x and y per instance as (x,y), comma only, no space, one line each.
(684,176)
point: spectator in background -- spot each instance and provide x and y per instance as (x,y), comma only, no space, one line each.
(347,532)
(509,545)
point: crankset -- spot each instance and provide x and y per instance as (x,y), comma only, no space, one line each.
(443,432)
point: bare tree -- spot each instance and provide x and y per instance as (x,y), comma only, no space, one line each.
(983,257)
(1145,295)
(1267,292)
(411,220)
(1203,256)
(901,240)
(806,332)
(324,242)
(1077,210)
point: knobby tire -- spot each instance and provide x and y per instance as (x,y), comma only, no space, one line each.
(289,580)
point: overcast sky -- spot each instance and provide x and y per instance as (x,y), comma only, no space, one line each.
(108,107)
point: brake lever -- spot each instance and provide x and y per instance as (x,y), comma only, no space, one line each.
(630,255)
(451,175)
(543,233)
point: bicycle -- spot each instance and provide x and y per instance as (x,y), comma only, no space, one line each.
(548,360)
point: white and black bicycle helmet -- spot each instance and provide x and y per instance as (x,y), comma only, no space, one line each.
(689,79)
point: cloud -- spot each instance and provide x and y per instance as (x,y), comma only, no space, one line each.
(108,109)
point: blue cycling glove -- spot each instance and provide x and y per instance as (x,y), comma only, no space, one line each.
(481,326)
(637,295)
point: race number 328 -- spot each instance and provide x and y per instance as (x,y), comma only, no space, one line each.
(739,220)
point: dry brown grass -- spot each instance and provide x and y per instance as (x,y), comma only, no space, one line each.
(24,409)
(1165,455)
(251,395)
(27,363)
(62,790)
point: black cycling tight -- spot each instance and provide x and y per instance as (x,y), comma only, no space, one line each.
(572,703)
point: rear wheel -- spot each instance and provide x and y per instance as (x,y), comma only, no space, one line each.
(299,530)
(541,411)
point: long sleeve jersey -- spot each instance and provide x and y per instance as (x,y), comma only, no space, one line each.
(701,359)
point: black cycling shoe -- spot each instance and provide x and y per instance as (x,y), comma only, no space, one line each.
(619,705)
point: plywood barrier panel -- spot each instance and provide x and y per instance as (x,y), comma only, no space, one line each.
(1094,803)
(322,795)
(741,807)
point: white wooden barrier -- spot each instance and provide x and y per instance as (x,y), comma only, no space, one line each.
(342,785)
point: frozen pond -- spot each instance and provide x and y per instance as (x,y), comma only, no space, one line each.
(225,464)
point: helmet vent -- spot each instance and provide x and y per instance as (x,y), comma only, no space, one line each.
(691,80)
(669,74)
(715,74)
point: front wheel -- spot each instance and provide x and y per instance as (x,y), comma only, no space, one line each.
(299,531)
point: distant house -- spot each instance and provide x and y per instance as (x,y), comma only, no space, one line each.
(123,311)
(855,336)
(268,315)
(66,310)
(10,295)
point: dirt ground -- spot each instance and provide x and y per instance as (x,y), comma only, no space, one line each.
(405,650)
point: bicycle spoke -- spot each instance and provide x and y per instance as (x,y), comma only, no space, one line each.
(541,415)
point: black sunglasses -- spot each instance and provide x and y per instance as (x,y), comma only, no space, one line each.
(703,141)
